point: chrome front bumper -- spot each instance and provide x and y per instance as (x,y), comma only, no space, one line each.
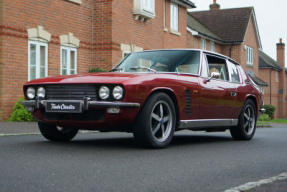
(32,105)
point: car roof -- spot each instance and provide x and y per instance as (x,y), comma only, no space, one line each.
(204,51)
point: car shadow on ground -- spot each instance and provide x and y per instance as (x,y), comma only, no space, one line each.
(127,141)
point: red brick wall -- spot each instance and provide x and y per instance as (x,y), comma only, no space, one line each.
(147,35)
(58,18)
(251,41)
(273,85)
(102,33)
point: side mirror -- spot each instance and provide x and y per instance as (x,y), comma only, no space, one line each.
(214,75)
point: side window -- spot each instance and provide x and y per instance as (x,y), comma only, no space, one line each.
(189,63)
(234,75)
(216,64)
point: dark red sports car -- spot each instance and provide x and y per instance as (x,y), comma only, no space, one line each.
(151,94)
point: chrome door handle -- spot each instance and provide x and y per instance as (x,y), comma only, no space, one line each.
(233,94)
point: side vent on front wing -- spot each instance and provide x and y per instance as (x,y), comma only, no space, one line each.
(187,103)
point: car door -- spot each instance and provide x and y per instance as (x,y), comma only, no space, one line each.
(236,83)
(215,93)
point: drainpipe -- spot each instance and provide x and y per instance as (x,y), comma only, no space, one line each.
(230,50)
(270,86)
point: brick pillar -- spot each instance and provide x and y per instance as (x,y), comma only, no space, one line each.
(214,6)
(1,57)
(282,107)
(102,34)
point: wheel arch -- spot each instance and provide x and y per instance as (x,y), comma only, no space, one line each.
(253,98)
(171,94)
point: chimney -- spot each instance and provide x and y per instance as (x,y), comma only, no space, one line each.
(214,6)
(281,53)
(282,80)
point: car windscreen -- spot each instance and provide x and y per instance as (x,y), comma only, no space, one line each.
(181,61)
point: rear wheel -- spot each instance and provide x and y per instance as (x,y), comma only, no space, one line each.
(56,133)
(156,123)
(246,127)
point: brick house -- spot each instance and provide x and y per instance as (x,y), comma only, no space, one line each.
(234,32)
(57,37)
(52,37)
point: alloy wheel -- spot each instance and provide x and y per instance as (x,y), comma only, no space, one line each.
(161,121)
(249,120)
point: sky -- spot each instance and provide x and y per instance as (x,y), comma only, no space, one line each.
(271,19)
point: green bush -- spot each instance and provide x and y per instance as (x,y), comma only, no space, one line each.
(264,117)
(20,113)
(270,109)
(96,69)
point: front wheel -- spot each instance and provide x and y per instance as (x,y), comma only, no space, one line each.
(246,127)
(156,122)
(56,133)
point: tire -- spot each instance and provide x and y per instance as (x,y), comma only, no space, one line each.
(155,125)
(55,133)
(246,127)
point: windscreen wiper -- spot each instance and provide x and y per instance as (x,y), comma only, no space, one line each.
(147,68)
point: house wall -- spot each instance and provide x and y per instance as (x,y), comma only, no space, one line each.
(145,35)
(1,50)
(58,18)
(269,77)
(251,41)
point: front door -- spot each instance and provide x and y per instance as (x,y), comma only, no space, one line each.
(216,94)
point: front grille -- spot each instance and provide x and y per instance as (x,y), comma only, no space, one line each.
(71,92)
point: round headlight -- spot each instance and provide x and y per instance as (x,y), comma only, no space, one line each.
(30,93)
(104,92)
(41,92)
(118,92)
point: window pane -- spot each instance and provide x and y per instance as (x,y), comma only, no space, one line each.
(64,58)
(217,65)
(32,72)
(234,73)
(42,61)
(32,61)
(64,71)
(72,60)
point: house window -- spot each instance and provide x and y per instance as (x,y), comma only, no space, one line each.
(148,5)
(38,60)
(203,44)
(212,46)
(174,17)
(249,55)
(276,77)
(68,60)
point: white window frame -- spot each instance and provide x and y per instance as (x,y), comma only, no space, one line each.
(148,5)
(174,17)
(203,44)
(68,49)
(38,58)
(249,56)
(212,46)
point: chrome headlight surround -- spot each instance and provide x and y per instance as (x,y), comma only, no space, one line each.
(104,92)
(118,92)
(30,93)
(41,93)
